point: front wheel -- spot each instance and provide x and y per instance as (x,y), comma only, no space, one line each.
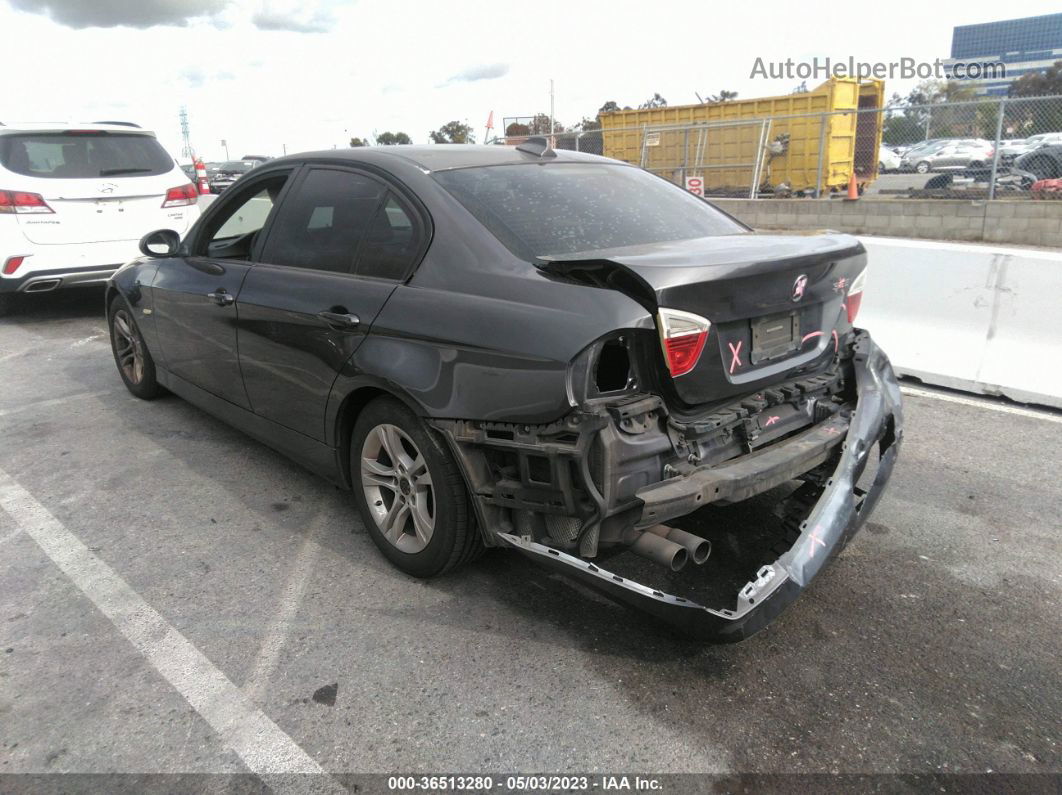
(410,492)
(135,365)
(922,167)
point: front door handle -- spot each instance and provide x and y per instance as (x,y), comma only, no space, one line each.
(339,320)
(221,297)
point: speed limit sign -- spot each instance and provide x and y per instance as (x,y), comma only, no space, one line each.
(695,185)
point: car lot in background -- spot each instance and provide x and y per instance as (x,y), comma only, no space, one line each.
(76,199)
(948,155)
(222,176)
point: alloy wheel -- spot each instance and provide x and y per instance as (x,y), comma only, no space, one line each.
(127,347)
(398,488)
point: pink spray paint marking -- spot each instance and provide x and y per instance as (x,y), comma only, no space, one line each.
(771,420)
(836,344)
(815,540)
(810,335)
(735,362)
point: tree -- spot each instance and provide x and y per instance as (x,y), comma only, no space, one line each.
(608,107)
(358,142)
(393,139)
(453,132)
(722,96)
(656,101)
(540,125)
(1031,116)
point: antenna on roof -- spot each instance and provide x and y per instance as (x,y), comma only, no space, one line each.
(537,145)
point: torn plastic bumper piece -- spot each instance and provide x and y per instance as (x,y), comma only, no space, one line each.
(840,511)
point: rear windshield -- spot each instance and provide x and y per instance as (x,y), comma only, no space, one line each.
(83,155)
(235,166)
(561,208)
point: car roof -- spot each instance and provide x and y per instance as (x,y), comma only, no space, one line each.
(64,126)
(440,157)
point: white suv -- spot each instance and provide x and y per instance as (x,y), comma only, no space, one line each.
(76,199)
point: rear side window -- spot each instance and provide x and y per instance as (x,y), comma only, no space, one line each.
(563,208)
(324,220)
(391,244)
(83,155)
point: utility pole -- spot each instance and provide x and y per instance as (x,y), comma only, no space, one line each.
(187,150)
(551,125)
(225,143)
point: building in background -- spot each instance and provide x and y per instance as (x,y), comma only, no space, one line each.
(1023,45)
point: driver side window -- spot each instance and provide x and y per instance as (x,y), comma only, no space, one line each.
(232,234)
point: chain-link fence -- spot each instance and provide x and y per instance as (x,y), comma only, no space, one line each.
(989,147)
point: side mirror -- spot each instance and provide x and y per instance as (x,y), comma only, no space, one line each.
(160,243)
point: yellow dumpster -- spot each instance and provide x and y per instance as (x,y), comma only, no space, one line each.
(808,141)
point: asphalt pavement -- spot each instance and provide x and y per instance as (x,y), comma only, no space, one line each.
(177,598)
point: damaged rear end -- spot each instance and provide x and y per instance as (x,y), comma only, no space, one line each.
(748,374)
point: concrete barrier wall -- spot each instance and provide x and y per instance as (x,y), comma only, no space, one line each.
(1025,222)
(984,319)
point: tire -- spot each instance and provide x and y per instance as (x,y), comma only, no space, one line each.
(881,168)
(922,167)
(131,356)
(417,513)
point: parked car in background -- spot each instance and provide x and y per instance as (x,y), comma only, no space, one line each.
(888,159)
(1011,148)
(223,175)
(1044,162)
(949,155)
(76,199)
(1030,144)
(488,354)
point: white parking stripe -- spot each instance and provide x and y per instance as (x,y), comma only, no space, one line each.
(260,743)
(290,599)
(983,403)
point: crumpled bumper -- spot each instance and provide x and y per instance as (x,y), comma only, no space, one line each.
(839,513)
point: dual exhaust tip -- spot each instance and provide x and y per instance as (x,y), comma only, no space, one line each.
(671,547)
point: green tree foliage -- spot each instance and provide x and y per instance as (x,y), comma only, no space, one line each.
(655,101)
(393,139)
(358,142)
(453,132)
(1026,115)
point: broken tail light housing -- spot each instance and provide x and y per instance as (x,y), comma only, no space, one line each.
(682,337)
(20,202)
(181,195)
(855,295)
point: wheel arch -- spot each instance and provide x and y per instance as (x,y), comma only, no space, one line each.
(350,406)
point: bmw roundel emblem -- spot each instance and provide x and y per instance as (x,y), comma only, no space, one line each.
(799,286)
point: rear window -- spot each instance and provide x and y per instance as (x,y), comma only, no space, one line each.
(83,155)
(562,208)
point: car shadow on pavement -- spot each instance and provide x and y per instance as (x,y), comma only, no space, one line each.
(73,304)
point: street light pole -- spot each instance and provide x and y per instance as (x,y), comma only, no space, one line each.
(551,125)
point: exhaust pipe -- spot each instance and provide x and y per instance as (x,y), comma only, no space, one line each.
(659,550)
(42,286)
(698,548)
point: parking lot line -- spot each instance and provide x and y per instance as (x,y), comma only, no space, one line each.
(983,403)
(260,743)
(290,599)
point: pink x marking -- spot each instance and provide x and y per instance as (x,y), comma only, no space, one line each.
(735,362)
(815,540)
(771,420)
(832,429)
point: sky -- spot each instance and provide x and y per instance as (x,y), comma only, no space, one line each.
(270,75)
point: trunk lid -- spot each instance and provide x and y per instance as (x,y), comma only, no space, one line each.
(774,301)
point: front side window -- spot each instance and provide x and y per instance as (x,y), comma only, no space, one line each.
(563,208)
(83,155)
(324,221)
(232,233)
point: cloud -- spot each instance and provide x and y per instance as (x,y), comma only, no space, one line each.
(115,13)
(490,71)
(196,77)
(320,22)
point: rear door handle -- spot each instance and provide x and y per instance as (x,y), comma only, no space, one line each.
(339,321)
(221,297)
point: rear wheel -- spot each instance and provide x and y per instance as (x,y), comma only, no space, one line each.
(131,355)
(410,492)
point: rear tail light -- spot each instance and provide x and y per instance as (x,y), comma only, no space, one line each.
(16,201)
(855,295)
(682,336)
(181,195)
(12,265)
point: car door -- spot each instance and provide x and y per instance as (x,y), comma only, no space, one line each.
(195,294)
(342,241)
